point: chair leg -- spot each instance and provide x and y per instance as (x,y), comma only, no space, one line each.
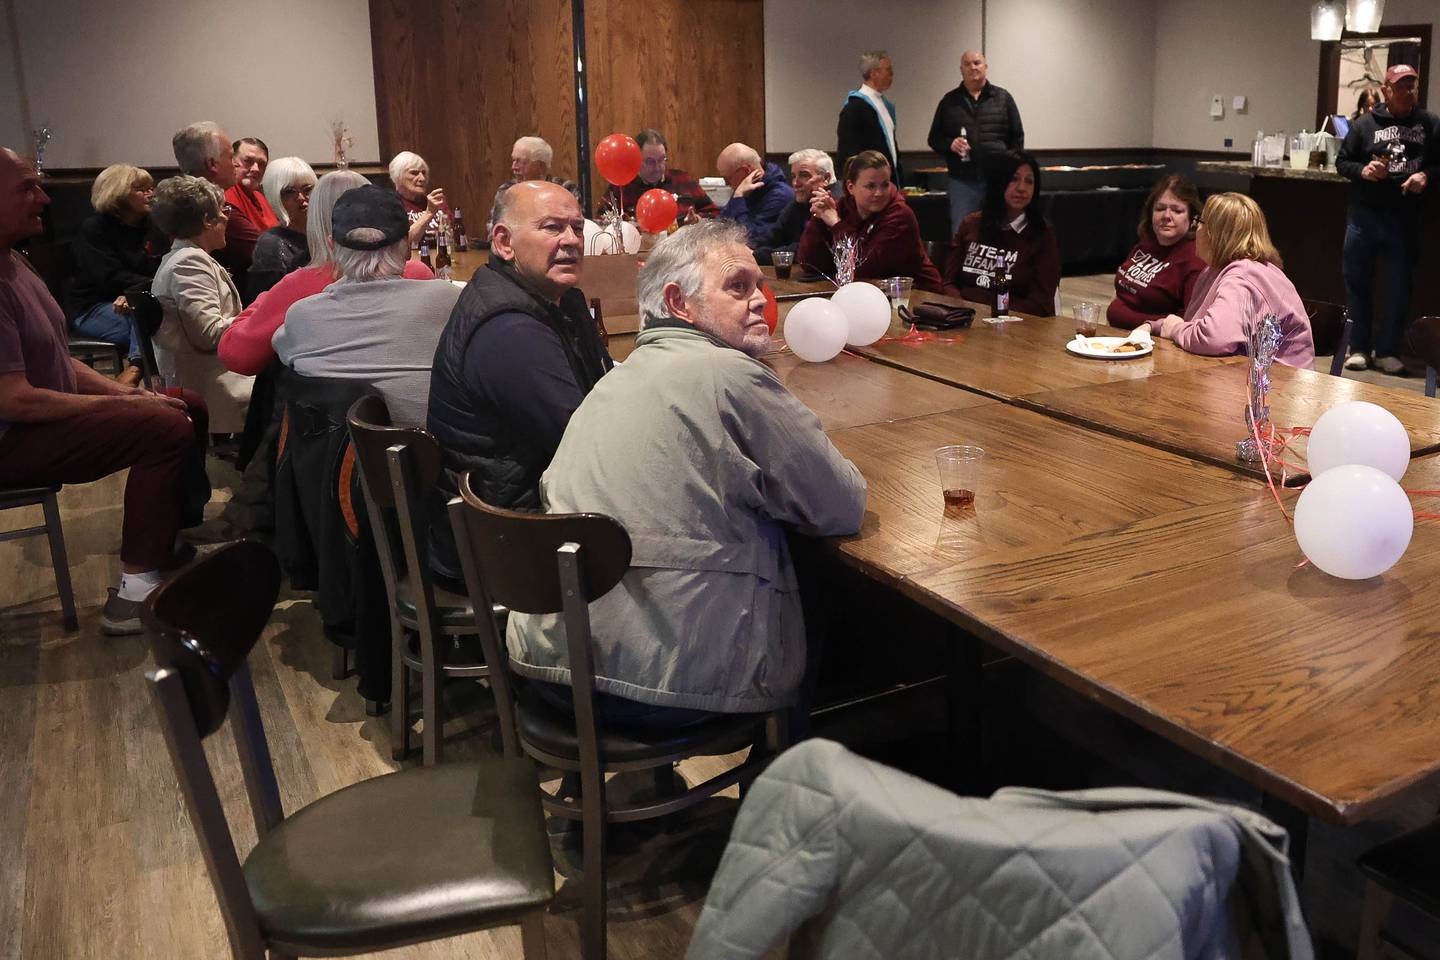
(594,813)
(1378,902)
(430,702)
(532,936)
(340,663)
(61,561)
(399,695)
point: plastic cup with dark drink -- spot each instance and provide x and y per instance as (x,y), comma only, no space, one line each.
(783,260)
(959,468)
(1087,318)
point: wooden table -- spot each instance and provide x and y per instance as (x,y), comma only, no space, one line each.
(1198,413)
(1168,590)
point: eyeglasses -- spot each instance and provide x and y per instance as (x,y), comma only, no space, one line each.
(303,191)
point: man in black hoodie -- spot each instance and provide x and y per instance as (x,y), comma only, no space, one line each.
(1390,155)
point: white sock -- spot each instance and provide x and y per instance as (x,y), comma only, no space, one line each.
(138,586)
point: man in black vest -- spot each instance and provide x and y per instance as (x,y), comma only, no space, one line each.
(974,123)
(519,354)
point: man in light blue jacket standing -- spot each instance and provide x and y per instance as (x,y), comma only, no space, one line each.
(705,457)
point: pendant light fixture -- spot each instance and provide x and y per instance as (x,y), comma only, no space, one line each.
(1363,16)
(1327,19)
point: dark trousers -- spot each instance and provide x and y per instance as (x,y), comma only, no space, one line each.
(157,443)
(1394,237)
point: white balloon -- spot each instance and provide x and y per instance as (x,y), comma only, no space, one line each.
(599,241)
(816,329)
(1353,522)
(867,310)
(1358,432)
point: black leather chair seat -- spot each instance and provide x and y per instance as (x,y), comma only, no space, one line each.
(553,730)
(345,872)
(19,496)
(456,613)
(1406,866)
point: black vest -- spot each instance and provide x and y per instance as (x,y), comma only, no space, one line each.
(504,471)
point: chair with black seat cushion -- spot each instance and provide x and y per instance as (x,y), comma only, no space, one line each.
(1403,868)
(398,467)
(146,315)
(1424,338)
(559,563)
(339,876)
(88,348)
(12,498)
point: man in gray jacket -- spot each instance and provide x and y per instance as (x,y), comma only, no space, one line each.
(705,457)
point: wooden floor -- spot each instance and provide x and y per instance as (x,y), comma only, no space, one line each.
(97,857)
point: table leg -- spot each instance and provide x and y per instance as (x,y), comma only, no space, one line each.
(1296,823)
(964,700)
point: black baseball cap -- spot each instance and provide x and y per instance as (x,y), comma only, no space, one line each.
(371,208)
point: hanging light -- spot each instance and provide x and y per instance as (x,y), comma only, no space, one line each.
(1327,20)
(1363,16)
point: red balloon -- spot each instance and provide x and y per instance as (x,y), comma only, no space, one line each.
(655,210)
(618,157)
(772,306)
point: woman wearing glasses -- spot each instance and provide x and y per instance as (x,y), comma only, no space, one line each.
(283,248)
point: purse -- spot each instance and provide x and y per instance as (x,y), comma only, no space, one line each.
(937,316)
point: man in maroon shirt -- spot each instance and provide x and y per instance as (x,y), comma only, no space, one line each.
(656,172)
(203,150)
(61,422)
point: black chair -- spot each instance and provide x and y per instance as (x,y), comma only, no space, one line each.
(1424,338)
(12,498)
(1342,349)
(558,563)
(146,315)
(939,253)
(398,467)
(423,854)
(88,349)
(1402,868)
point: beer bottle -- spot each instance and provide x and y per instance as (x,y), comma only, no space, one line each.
(425,251)
(1002,289)
(461,244)
(443,270)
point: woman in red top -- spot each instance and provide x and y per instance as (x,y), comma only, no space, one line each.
(875,211)
(1008,235)
(1160,273)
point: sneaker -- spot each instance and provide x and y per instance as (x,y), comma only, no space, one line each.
(120,617)
(1390,365)
(1357,361)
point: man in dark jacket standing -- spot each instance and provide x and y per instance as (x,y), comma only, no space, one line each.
(519,354)
(973,123)
(867,121)
(760,191)
(1390,155)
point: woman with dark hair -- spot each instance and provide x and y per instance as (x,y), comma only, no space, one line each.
(1158,276)
(1011,236)
(875,212)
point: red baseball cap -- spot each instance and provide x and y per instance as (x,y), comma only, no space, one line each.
(1400,71)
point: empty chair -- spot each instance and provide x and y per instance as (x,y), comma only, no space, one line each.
(398,466)
(12,498)
(1424,337)
(558,563)
(858,860)
(408,857)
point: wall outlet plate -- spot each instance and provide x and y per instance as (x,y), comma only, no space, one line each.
(1238,104)
(1217,107)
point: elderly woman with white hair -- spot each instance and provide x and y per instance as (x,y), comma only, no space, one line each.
(411,176)
(246,347)
(287,184)
(198,298)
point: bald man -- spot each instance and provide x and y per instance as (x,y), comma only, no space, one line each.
(518,355)
(974,123)
(760,195)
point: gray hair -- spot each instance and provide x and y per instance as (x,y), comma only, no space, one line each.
(536,149)
(820,158)
(183,204)
(869,60)
(198,144)
(322,211)
(281,175)
(404,162)
(680,258)
(372,264)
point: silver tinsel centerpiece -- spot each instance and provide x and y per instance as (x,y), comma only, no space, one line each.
(1262,344)
(848,258)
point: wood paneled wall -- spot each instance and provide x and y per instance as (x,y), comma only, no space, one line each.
(458,80)
(695,71)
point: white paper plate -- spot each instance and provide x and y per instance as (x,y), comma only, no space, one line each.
(1098,348)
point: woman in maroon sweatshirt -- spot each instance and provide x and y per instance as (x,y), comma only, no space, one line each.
(875,211)
(1161,271)
(1009,234)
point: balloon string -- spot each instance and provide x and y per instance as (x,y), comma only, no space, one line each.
(1423,493)
(916,336)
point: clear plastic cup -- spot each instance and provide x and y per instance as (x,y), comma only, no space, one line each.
(959,469)
(898,289)
(783,261)
(1087,318)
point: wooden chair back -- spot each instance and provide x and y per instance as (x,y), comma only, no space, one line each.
(203,624)
(1424,337)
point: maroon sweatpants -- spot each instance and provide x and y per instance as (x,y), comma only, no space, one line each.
(151,439)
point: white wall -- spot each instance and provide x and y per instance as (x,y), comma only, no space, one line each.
(1257,48)
(115,79)
(1080,70)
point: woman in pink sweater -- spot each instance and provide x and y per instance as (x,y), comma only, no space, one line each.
(245,346)
(1243,282)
